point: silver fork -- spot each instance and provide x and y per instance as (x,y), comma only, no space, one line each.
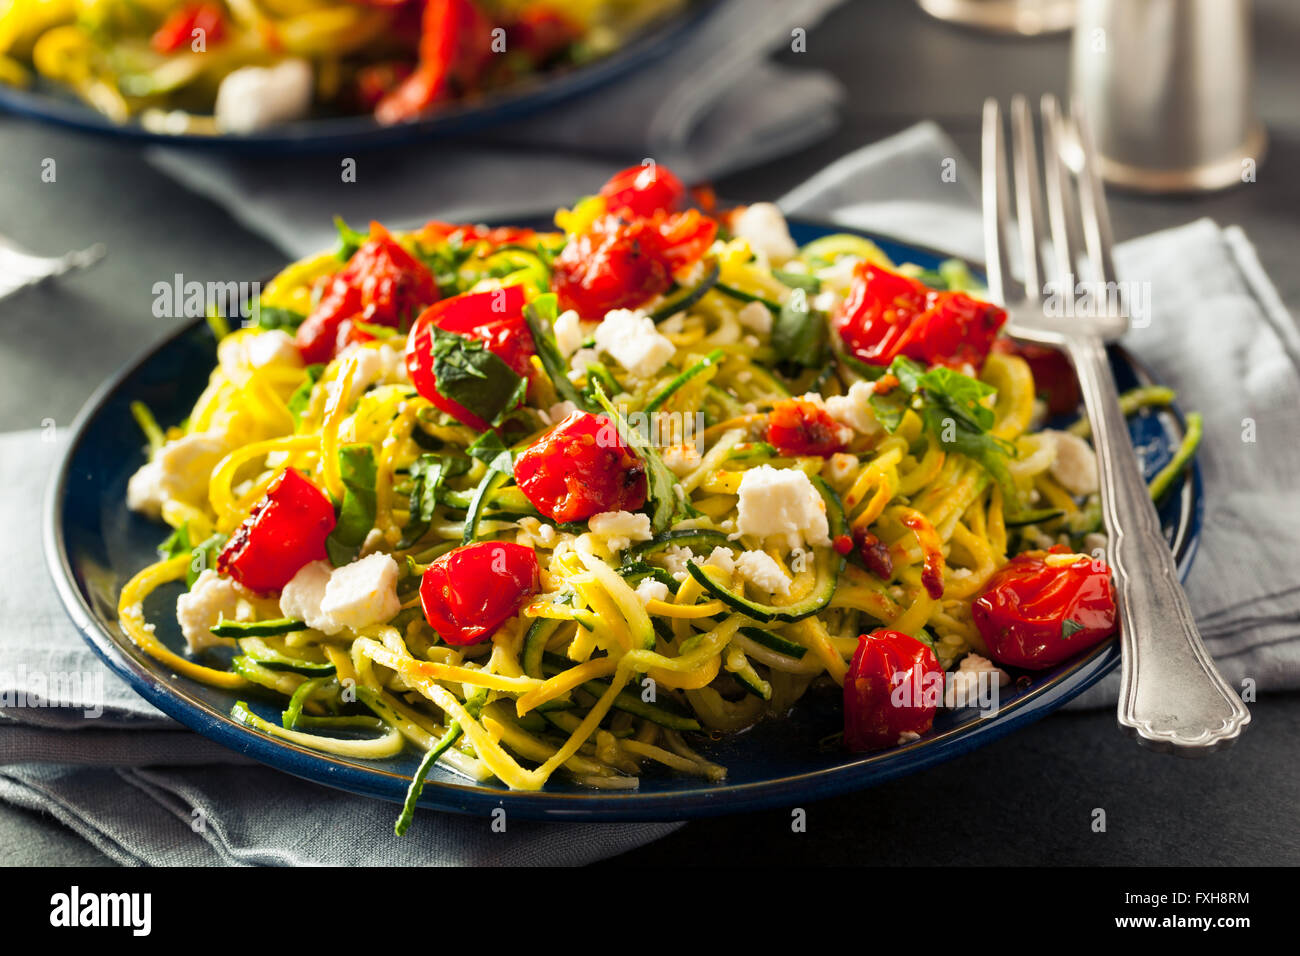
(1171,696)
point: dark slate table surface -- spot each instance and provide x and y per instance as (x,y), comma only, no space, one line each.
(1026,799)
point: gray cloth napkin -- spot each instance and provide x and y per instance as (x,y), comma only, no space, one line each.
(711,105)
(159,794)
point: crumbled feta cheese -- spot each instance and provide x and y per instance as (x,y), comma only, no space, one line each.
(782,502)
(756,317)
(254,97)
(568,332)
(560,411)
(376,365)
(180,469)
(651,590)
(963,686)
(301,598)
(763,226)
(722,559)
(854,409)
(620,528)
(631,337)
(1075,463)
(681,459)
(202,606)
(675,559)
(362,593)
(841,468)
(759,568)
(581,359)
(251,350)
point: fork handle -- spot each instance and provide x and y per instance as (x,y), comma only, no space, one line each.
(1172,698)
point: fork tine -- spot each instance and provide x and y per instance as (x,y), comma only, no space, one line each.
(1029,211)
(1060,209)
(997,213)
(1092,200)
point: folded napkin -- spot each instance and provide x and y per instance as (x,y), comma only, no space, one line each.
(145,791)
(711,105)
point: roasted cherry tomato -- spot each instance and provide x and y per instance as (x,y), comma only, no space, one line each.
(1043,607)
(684,237)
(1054,376)
(797,426)
(470,592)
(284,531)
(177,31)
(887,315)
(438,232)
(455,48)
(878,708)
(615,265)
(382,284)
(644,191)
(580,468)
(495,318)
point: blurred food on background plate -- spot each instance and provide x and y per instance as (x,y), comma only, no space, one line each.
(197,66)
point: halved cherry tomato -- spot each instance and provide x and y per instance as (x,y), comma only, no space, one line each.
(382,284)
(643,191)
(893,686)
(1054,376)
(797,426)
(470,592)
(1043,607)
(284,531)
(177,31)
(455,47)
(580,468)
(615,265)
(434,231)
(887,315)
(495,318)
(684,237)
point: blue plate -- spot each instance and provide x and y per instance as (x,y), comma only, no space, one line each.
(93,545)
(50,102)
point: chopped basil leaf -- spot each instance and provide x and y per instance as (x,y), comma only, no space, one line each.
(357,510)
(661,490)
(271,317)
(427,475)
(799,332)
(301,396)
(202,555)
(540,315)
(795,280)
(1070,626)
(349,239)
(474,377)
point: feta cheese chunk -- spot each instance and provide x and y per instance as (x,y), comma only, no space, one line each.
(1075,463)
(675,558)
(376,365)
(211,599)
(763,226)
(255,97)
(681,459)
(759,569)
(651,590)
(619,529)
(362,593)
(180,469)
(241,352)
(722,559)
(568,332)
(782,502)
(632,339)
(854,409)
(755,316)
(964,681)
(302,597)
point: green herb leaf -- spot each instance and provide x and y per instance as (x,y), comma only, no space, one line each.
(202,556)
(799,332)
(271,317)
(540,315)
(349,239)
(357,510)
(301,396)
(427,475)
(661,488)
(798,280)
(1070,626)
(474,377)
(500,468)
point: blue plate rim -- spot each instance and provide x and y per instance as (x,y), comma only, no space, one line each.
(604,806)
(321,134)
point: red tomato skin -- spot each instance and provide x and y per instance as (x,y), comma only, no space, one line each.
(284,531)
(616,265)
(470,592)
(580,468)
(455,47)
(1021,611)
(438,232)
(382,284)
(886,315)
(684,237)
(797,427)
(177,31)
(495,318)
(643,191)
(884,661)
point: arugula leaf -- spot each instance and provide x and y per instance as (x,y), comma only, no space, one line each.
(540,315)
(661,483)
(301,396)
(357,510)
(1070,626)
(799,332)
(476,378)
(271,317)
(349,239)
